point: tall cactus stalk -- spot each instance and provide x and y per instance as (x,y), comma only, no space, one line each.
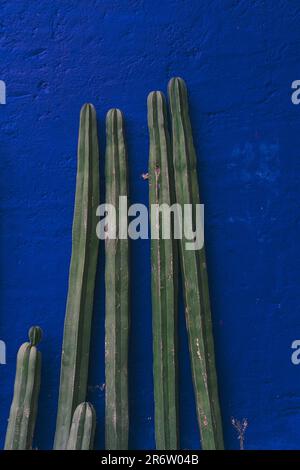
(197,303)
(117,289)
(82,431)
(23,410)
(77,330)
(164,279)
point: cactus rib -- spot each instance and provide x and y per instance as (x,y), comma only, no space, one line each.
(117,290)
(197,304)
(164,280)
(82,431)
(23,410)
(77,329)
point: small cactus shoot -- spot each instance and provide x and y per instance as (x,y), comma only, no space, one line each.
(197,303)
(82,431)
(163,279)
(117,288)
(77,329)
(23,409)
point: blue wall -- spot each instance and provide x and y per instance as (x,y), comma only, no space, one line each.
(239,59)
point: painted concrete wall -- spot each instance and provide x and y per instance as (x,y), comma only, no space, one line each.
(239,59)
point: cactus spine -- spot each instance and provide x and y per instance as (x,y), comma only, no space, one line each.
(82,431)
(197,304)
(23,410)
(77,330)
(164,279)
(117,288)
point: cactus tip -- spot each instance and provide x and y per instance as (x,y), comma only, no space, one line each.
(155,95)
(177,83)
(151,96)
(88,106)
(114,112)
(35,334)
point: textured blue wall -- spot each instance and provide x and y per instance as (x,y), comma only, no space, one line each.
(239,59)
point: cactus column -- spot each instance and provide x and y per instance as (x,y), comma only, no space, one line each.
(23,410)
(164,278)
(77,330)
(82,431)
(197,304)
(117,288)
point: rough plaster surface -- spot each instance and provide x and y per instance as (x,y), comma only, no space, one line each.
(239,59)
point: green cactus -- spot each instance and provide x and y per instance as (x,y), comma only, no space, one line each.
(83,426)
(164,279)
(77,330)
(197,303)
(117,289)
(23,410)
